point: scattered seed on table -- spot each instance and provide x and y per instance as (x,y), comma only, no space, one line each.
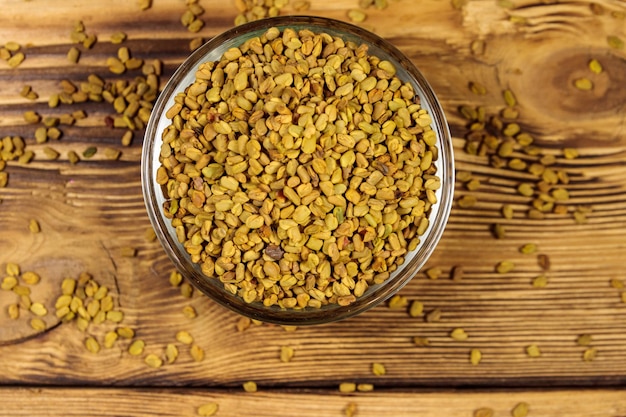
(153,361)
(467,201)
(92,344)
(477,88)
(208,409)
(533,351)
(433,316)
(347,387)
(615,42)
(16,60)
(89,152)
(350,410)
(528,248)
(520,410)
(13,269)
(145,4)
(197,353)
(543,261)
(109,339)
(286,353)
(356,15)
(14,311)
(250,386)
(136,348)
(378,369)
(8,283)
(175,278)
(365,387)
(195,43)
(416,309)
(475,356)
(509,98)
(184,337)
(504,267)
(31,117)
(171,353)
(595,66)
(112,154)
(73,55)
(498,230)
(589,354)
(128,252)
(434,272)
(421,341)
(115,316)
(186,290)
(189,312)
(483,412)
(398,302)
(477,47)
(459,334)
(540,281)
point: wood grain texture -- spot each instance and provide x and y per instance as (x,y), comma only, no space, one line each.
(160,402)
(90,211)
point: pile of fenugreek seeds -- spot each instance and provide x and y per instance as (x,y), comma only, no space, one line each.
(298,170)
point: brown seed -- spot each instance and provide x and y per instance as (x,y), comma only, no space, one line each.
(543,261)
(433,316)
(421,341)
(457,273)
(483,412)
(197,353)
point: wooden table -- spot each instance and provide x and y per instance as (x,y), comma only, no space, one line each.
(92,217)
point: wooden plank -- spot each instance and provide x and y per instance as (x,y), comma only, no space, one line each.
(167,402)
(91,211)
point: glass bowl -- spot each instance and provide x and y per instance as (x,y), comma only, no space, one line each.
(211,286)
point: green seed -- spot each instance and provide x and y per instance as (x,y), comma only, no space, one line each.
(89,152)
(533,351)
(250,386)
(208,409)
(467,201)
(92,344)
(379,369)
(520,410)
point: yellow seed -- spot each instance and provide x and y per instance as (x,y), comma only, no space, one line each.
(184,337)
(13,269)
(509,98)
(520,410)
(186,290)
(33,226)
(347,387)
(540,281)
(175,278)
(38,324)
(483,412)
(475,356)
(136,348)
(92,344)
(14,311)
(109,339)
(583,84)
(153,361)
(584,340)
(350,410)
(16,60)
(208,409)
(533,351)
(8,283)
(145,4)
(434,272)
(357,15)
(615,42)
(73,55)
(458,334)
(589,354)
(398,302)
(595,66)
(171,353)
(250,386)
(421,341)
(528,248)
(197,353)
(286,353)
(115,316)
(378,369)
(416,309)
(504,267)
(38,309)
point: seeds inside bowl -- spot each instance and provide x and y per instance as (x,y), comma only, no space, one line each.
(299,169)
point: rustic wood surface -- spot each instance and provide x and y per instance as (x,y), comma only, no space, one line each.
(92,211)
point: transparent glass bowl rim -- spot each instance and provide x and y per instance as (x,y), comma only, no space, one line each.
(212,287)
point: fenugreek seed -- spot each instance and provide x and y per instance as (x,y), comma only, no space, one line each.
(12,46)
(189,312)
(483,412)
(89,152)
(195,43)
(379,369)
(433,316)
(286,353)
(416,309)
(171,353)
(499,231)
(350,410)
(125,332)
(92,344)
(144,4)
(38,309)
(526,189)
(14,311)
(8,283)
(540,281)
(38,324)
(595,66)
(32,117)
(458,334)
(543,261)
(109,339)
(208,409)
(136,348)
(175,278)
(616,283)
(509,98)
(520,410)
(533,351)
(615,42)
(357,15)
(504,267)
(73,55)
(347,387)
(4,179)
(50,153)
(467,201)
(197,353)
(127,138)
(21,290)
(475,356)
(589,354)
(398,302)
(184,337)
(186,290)
(433,273)
(115,316)
(584,340)
(456,274)
(16,60)
(583,84)
(421,341)
(477,47)
(153,361)
(250,386)
(13,269)
(528,248)
(477,88)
